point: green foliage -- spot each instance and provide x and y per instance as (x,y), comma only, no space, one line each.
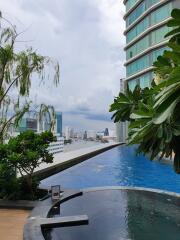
(23,154)
(154,116)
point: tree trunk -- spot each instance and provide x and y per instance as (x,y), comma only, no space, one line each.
(29,184)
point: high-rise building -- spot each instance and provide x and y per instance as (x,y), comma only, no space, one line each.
(122,127)
(45,124)
(145,29)
(27,124)
(35,125)
(67,133)
(58,127)
(106,132)
(85,135)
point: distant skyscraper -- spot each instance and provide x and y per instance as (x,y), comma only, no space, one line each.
(67,133)
(71,133)
(106,132)
(45,124)
(85,135)
(58,129)
(145,29)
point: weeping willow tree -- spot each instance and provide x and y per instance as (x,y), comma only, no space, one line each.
(17,71)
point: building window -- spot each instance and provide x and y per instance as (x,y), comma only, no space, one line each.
(149,40)
(130,4)
(137,48)
(143,81)
(155,17)
(144,62)
(157,36)
(138,29)
(138,65)
(160,14)
(135,14)
(132,84)
(139,10)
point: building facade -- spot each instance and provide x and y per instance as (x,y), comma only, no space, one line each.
(37,126)
(145,30)
(58,146)
(69,133)
(45,124)
(27,124)
(58,127)
(122,127)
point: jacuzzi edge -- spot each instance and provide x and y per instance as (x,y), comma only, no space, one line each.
(32,228)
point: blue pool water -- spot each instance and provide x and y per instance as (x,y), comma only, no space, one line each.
(118,167)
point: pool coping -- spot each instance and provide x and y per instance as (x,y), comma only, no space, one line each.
(154,190)
(18,204)
(32,228)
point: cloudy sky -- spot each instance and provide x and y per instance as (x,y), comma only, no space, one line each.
(86,37)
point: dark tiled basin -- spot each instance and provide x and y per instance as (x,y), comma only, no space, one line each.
(120,214)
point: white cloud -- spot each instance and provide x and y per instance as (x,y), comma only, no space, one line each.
(86,37)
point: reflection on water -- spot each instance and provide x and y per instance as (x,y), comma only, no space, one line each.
(98,168)
(120,214)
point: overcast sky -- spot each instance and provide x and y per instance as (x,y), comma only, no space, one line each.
(86,37)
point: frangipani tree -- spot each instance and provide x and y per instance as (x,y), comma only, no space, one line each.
(17,70)
(154,115)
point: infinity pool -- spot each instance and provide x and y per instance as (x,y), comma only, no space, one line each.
(118,167)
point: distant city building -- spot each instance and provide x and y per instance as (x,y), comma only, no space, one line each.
(27,124)
(100,134)
(45,124)
(85,135)
(67,133)
(58,125)
(145,30)
(58,146)
(111,136)
(71,133)
(38,126)
(106,132)
(79,135)
(91,134)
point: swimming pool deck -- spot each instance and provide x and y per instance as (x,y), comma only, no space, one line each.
(11,223)
(65,160)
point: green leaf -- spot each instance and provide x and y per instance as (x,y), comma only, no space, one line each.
(173,23)
(174,46)
(160,131)
(166,113)
(139,115)
(174,31)
(176,13)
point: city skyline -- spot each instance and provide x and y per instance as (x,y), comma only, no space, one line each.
(86,37)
